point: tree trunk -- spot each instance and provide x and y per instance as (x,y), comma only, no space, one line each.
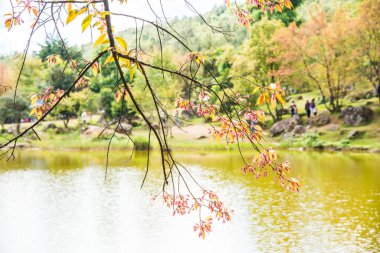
(66,122)
(279,112)
(271,113)
(18,126)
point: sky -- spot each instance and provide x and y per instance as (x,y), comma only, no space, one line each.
(15,40)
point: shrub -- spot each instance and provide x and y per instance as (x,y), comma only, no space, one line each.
(313,140)
(141,143)
(345,143)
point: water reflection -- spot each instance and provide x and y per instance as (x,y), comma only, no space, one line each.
(59,202)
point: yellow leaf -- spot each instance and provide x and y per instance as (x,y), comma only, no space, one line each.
(255,90)
(122,43)
(125,62)
(279,8)
(34,99)
(83,10)
(96,24)
(131,73)
(71,16)
(34,111)
(105,13)
(86,22)
(100,40)
(109,59)
(267,98)
(280,99)
(139,67)
(262,116)
(106,42)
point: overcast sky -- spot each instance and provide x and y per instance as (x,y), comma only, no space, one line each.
(15,39)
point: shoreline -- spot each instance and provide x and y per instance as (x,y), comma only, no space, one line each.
(202,147)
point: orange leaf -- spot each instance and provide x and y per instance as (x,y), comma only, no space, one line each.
(8,23)
(261,99)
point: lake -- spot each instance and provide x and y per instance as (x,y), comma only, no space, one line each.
(57,201)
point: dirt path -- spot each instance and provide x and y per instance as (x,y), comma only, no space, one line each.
(193,132)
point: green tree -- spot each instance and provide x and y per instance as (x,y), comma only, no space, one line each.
(256,61)
(59,81)
(106,99)
(59,47)
(121,108)
(12,110)
(60,76)
(67,110)
(34,76)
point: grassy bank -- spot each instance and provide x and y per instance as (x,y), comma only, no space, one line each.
(195,136)
(73,140)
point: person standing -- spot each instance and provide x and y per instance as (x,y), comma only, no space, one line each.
(293,109)
(307,108)
(84,118)
(252,126)
(177,117)
(313,108)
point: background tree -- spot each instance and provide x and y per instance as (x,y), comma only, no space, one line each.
(256,61)
(106,99)
(67,110)
(322,44)
(124,110)
(89,102)
(367,41)
(5,78)
(168,87)
(34,75)
(60,75)
(13,110)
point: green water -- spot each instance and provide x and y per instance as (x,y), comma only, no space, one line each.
(59,202)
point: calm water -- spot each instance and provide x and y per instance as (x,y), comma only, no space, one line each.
(59,202)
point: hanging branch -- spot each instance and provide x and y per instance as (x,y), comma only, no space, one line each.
(182,197)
